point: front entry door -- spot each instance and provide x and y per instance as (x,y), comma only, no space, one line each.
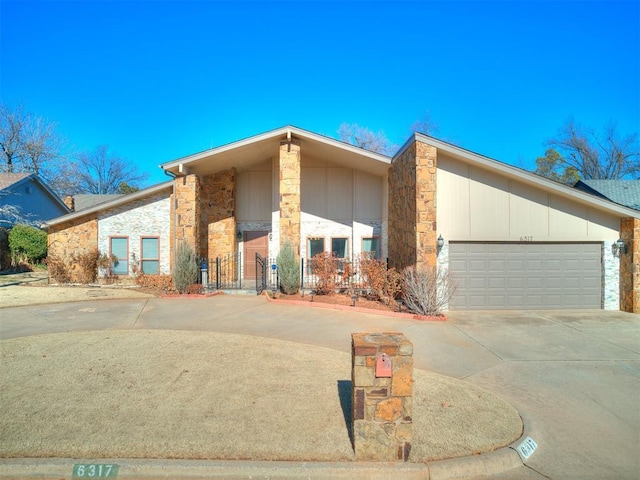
(254,242)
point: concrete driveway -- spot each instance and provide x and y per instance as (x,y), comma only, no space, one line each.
(573,376)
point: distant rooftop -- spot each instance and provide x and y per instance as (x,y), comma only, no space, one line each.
(86,200)
(622,192)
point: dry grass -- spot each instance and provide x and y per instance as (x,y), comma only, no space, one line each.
(173,394)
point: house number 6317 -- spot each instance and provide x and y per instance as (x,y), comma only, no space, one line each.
(526,238)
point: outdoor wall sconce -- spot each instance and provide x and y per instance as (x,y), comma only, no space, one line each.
(239,235)
(440,243)
(619,248)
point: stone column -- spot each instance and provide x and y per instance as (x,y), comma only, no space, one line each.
(187,211)
(289,166)
(218,221)
(382,401)
(630,266)
(412,207)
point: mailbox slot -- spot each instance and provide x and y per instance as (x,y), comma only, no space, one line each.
(383,366)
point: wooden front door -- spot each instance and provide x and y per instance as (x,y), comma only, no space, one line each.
(254,242)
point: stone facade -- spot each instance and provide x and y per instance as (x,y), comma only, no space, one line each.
(382,406)
(76,237)
(610,278)
(217,214)
(186,211)
(412,207)
(630,266)
(146,217)
(289,188)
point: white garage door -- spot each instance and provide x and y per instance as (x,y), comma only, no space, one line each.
(526,275)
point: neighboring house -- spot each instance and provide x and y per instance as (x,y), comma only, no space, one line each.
(622,192)
(513,240)
(31,198)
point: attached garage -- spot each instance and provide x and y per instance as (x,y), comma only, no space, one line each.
(505,275)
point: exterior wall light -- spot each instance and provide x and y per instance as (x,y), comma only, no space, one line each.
(619,248)
(239,235)
(440,242)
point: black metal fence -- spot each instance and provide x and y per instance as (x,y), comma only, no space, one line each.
(222,272)
(346,274)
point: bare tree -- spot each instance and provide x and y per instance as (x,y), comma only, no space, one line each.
(11,127)
(425,125)
(364,138)
(592,156)
(101,172)
(29,143)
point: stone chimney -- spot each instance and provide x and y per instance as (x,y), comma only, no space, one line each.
(70,202)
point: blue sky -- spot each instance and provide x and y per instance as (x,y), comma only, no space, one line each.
(157,80)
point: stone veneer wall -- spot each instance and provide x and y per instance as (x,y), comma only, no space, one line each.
(289,167)
(75,237)
(145,217)
(186,211)
(412,207)
(217,207)
(610,278)
(630,266)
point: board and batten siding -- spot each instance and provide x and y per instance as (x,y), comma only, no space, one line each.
(147,217)
(476,205)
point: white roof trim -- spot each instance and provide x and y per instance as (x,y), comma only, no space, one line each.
(110,204)
(287,131)
(523,176)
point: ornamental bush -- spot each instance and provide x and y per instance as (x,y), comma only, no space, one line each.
(27,244)
(185,272)
(288,269)
(427,291)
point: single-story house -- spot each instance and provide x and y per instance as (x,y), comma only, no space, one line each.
(513,239)
(26,198)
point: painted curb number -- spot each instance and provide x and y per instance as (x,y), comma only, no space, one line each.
(95,470)
(527,447)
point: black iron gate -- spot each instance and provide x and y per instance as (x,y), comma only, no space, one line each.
(261,273)
(226,271)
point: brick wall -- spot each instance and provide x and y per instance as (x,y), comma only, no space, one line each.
(630,266)
(217,207)
(412,207)
(289,166)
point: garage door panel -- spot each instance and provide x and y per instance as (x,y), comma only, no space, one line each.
(526,275)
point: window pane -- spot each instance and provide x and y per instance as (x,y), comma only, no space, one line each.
(119,247)
(339,247)
(316,246)
(150,248)
(370,245)
(150,267)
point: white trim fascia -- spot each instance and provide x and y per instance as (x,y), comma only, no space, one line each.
(524,176)
(110,204)
(283,131)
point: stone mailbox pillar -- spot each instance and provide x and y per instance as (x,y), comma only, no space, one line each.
(382,388)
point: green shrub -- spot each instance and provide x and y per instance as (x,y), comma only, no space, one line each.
(27,243)
(288,269)
(185,272)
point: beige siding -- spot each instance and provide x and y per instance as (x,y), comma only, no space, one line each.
(475,204)
(369,196)
(254,195)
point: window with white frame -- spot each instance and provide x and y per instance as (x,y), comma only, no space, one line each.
(150,255)
(119,248)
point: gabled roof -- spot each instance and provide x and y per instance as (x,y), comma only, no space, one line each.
(8,180)
(622,192)
(521,175)
(244,153)
(120,200)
